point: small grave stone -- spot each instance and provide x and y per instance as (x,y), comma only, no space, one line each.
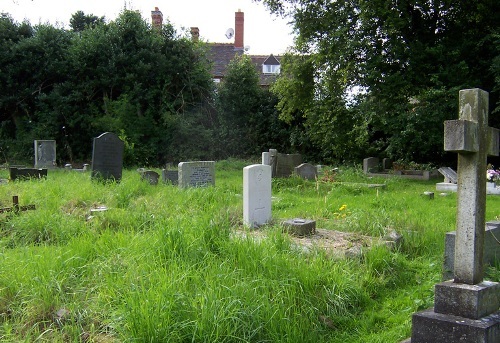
(150,176)
(26,173)
(256,195)
(273,160)
(386,163)
(428,195)
(170,176)
(466,308)
(300,227)
(107,157)
(306,171)
(45,154)
(196,174)
(370,165)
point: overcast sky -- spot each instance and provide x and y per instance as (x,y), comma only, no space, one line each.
(264,33)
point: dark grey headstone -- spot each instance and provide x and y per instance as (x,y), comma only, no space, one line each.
(107,157)
(306,171)
(27,173)
(370,165)
(45,154)
(170,176)
(150,176)
(286,163)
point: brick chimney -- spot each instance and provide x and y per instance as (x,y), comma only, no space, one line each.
(157,18)
(195,34)
(239,28)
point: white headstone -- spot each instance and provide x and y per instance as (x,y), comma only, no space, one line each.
(266,158)
(256,195)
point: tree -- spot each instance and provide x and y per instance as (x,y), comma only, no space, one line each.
(387,59)
(80,21)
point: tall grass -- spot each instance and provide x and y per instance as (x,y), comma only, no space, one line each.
(164,264)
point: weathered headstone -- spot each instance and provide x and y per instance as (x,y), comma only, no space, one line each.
(286,164)
(27,173)
(150,176)
(306,171)
(491,251)
(256,195)
(170,176)
(196,174)
(107,157)
(273,161)
(450,176)
(466,309)
(45,154)
(300,227)
(370,165)
(386,163)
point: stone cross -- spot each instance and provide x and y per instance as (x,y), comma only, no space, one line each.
(473,140)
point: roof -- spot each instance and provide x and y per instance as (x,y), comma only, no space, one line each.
(221,54)
(258,61)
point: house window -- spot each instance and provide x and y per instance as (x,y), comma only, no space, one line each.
(270,69)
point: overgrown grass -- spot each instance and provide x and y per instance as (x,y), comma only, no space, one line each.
(162,264)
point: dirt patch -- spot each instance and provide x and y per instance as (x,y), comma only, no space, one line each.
(335,243)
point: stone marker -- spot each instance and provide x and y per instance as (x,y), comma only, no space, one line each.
(300,227)
(196,174)
(266,158)
(450,176)
(273,161)
(386,164)
(26,173)
(491,251)
(466,309)
(45,154)
(286,164)
(171,176)
(306,171)
(370,165)
(256,195)
(150,176)
(107,157)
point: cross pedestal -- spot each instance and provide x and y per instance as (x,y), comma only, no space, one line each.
(466,309)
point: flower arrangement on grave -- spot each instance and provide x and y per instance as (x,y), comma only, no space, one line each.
(493,175)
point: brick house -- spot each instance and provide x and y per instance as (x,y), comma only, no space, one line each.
(267,66)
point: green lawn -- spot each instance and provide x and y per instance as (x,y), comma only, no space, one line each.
(161,264)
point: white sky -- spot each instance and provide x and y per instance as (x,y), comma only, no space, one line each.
(264,33)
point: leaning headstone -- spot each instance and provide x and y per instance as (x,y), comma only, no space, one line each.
(450,176)
(170,176)
(45,154)
(370,165)
(196,174)
(107,157)
(306,171)
(150,176)
(466,309)
(256,195)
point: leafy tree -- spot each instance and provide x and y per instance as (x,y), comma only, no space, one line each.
(386,60)
(80,21)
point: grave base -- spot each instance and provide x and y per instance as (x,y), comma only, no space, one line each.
(431,327)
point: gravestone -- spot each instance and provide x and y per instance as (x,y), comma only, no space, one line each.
(273,161)
(386,163)
(256,195)
(26,173)
(170,176)
(466,309)
(286,163)
(450,176)
(307,171)
(370,165)
(150,176)
(196,174)
(491,250)
(266,158)
(45,154)
(107,157)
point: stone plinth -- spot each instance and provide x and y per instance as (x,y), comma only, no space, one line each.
(300,227)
